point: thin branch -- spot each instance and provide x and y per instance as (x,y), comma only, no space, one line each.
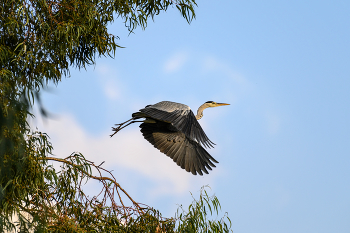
(96,178)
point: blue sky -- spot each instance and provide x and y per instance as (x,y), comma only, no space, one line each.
(283,144)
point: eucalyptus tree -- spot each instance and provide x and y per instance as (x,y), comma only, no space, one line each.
(40,40)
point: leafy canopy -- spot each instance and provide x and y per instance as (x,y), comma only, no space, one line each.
(39,41)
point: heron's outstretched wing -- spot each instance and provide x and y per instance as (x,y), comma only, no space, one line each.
(181,117)
(185,152)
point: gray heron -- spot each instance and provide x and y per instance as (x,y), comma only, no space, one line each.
(173,129)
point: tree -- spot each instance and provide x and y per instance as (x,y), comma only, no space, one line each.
(40,41)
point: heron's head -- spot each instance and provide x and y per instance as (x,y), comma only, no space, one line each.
(211,104)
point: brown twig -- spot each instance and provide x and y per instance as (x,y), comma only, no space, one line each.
(101,178)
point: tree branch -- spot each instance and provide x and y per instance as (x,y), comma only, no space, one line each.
(101,178)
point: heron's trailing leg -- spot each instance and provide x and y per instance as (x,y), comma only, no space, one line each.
(122,126)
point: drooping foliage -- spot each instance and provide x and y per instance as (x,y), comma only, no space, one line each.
(198,217)
(40,40)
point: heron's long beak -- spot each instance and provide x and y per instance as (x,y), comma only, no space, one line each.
(221,104)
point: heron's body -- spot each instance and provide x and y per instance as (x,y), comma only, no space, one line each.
(174,130)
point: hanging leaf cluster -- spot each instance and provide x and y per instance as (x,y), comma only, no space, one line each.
(40,40)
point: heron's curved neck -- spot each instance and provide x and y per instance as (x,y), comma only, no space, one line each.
(200,111)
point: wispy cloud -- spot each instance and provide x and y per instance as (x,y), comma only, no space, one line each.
(211,63)
(238,88)
(111,90)
(273,122)
(109,81)
(176,62)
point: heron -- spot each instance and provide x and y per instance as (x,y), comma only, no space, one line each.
(173,129)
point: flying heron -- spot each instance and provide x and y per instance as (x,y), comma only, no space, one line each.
(173,129)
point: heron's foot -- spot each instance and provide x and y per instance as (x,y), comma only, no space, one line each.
(122,126)
(116,129)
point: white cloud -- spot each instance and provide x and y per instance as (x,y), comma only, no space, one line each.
(273,122)
(109,80)
(127,150)
(210,63)
(176,62)
(282,198)
(103,69)
(111,90)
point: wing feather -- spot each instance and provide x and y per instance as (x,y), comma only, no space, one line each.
(185,152)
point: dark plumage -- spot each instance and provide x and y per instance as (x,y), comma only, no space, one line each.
(185,152)
(173,129)
(181,117)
